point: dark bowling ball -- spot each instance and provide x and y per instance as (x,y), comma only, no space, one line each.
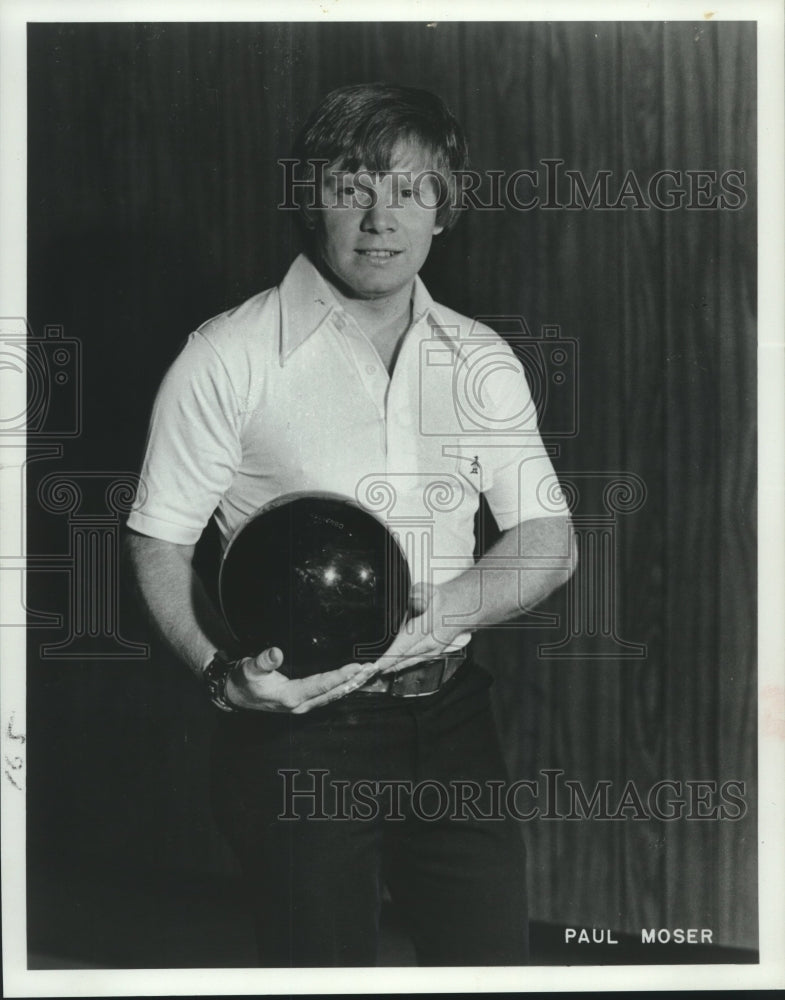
(317,576)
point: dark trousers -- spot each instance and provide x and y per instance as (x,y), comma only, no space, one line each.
(376,790)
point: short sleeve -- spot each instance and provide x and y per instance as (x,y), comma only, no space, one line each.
(193,447)
(523,482)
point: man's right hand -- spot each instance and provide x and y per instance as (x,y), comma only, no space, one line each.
(256,683)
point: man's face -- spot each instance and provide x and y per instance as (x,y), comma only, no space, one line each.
(376,229)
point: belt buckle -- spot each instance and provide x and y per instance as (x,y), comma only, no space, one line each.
(413,677)
(416,677)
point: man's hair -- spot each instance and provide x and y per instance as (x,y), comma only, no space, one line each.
(361,126)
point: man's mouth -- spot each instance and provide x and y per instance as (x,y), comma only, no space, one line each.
(378,254)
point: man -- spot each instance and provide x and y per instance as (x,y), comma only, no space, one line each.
(343,379)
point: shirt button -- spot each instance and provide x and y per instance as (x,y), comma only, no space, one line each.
(371,369)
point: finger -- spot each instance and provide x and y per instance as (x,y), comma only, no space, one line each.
(426,647)
(459,642)
(409,659)
(420,598)
(267,661)
(320,684)
(421,654)
(334,694)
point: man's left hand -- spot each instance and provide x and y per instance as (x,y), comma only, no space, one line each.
(423,636)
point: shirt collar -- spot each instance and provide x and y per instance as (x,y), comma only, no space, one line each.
(307,301)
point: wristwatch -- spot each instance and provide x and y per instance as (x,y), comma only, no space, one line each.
(215,676)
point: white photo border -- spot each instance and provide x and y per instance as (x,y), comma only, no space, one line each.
(18,981)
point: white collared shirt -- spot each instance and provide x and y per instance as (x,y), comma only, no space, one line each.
(285,393)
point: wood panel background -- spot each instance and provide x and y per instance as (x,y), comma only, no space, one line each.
(152,206)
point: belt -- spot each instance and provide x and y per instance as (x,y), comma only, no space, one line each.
(424,678)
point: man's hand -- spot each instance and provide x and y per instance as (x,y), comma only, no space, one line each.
(423,636)
(256,683)
(523,566)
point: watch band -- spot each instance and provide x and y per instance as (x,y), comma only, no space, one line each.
(215,676)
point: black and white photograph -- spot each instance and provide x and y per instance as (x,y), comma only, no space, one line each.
(392,482)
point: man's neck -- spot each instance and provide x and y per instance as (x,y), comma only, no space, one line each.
(380,318)
(385,331)
(373,316)
(384,320)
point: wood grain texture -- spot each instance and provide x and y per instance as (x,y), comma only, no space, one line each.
(152,206)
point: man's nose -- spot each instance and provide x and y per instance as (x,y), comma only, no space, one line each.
(379,217)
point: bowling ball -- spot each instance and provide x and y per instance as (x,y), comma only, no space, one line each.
(318,576)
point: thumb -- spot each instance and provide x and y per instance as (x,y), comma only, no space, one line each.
(419,599)
(268,660)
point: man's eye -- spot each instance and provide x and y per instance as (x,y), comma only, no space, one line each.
(355,196)
(407,192)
